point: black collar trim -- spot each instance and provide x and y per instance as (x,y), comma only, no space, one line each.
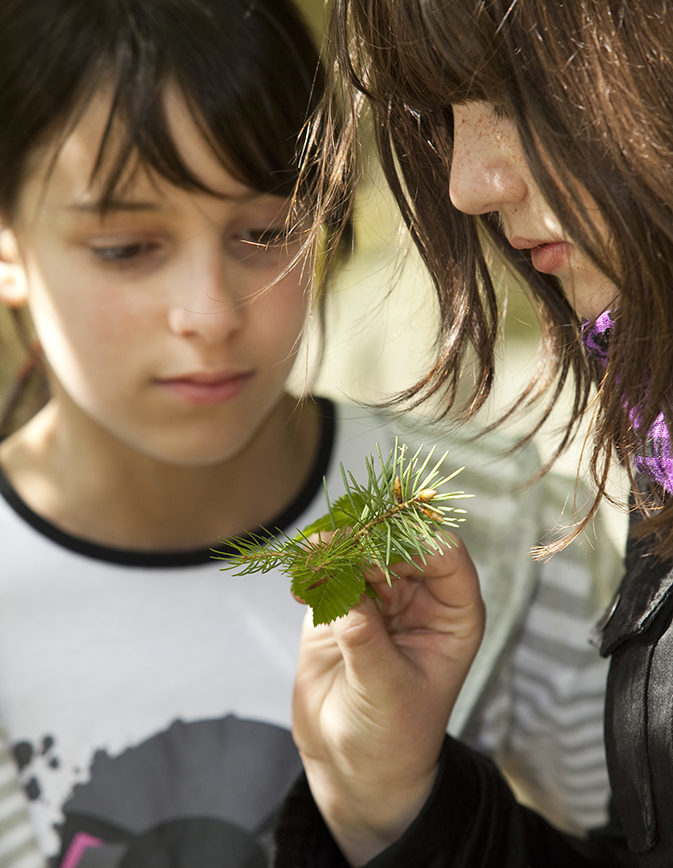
(163,559)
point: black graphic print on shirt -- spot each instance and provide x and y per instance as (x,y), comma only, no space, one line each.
(29,757)
(199,795)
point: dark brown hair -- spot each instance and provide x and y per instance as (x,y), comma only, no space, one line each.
(589,86)
(248,70)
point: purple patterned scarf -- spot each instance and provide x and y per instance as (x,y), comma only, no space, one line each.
(656,459)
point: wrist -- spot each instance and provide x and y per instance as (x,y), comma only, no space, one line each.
(365,816)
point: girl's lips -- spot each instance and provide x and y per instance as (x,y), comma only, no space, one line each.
(204,390)
(548,258)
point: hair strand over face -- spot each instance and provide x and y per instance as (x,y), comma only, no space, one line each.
(589,85)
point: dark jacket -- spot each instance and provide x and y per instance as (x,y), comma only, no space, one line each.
(472,820)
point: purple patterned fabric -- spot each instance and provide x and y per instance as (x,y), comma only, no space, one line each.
(596,336)
(656,458)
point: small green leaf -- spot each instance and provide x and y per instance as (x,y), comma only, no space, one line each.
(331,595)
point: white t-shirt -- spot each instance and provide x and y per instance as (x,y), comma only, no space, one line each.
(141,689)
(147,697)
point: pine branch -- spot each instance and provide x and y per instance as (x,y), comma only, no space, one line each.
(396,516)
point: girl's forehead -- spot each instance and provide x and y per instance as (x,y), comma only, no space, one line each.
(75,165)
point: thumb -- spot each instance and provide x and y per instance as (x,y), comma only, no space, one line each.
(368,652)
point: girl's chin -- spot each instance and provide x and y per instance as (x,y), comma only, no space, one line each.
(591,296)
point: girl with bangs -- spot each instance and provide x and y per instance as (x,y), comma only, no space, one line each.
(148,161)
(538,133)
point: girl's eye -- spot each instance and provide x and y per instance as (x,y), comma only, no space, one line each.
(498,112)
(122,254)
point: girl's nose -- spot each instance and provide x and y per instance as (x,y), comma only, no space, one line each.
(488,167)
(206,307)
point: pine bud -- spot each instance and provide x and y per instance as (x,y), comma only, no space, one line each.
(397,488)
(426,494)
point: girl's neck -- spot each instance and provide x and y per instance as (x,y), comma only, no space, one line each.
(101,490)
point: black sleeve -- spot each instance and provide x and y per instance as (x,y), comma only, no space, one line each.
(471,820)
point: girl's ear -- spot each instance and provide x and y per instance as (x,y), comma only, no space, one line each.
(12,275)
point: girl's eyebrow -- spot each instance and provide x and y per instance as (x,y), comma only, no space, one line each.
(112,205)
(97,206)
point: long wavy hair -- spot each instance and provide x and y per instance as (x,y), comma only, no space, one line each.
(589,85)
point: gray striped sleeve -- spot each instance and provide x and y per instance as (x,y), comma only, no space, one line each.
(18,847)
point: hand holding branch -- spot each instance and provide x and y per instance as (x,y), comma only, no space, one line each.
(374,692)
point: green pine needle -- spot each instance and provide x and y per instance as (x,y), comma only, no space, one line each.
(396,516)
